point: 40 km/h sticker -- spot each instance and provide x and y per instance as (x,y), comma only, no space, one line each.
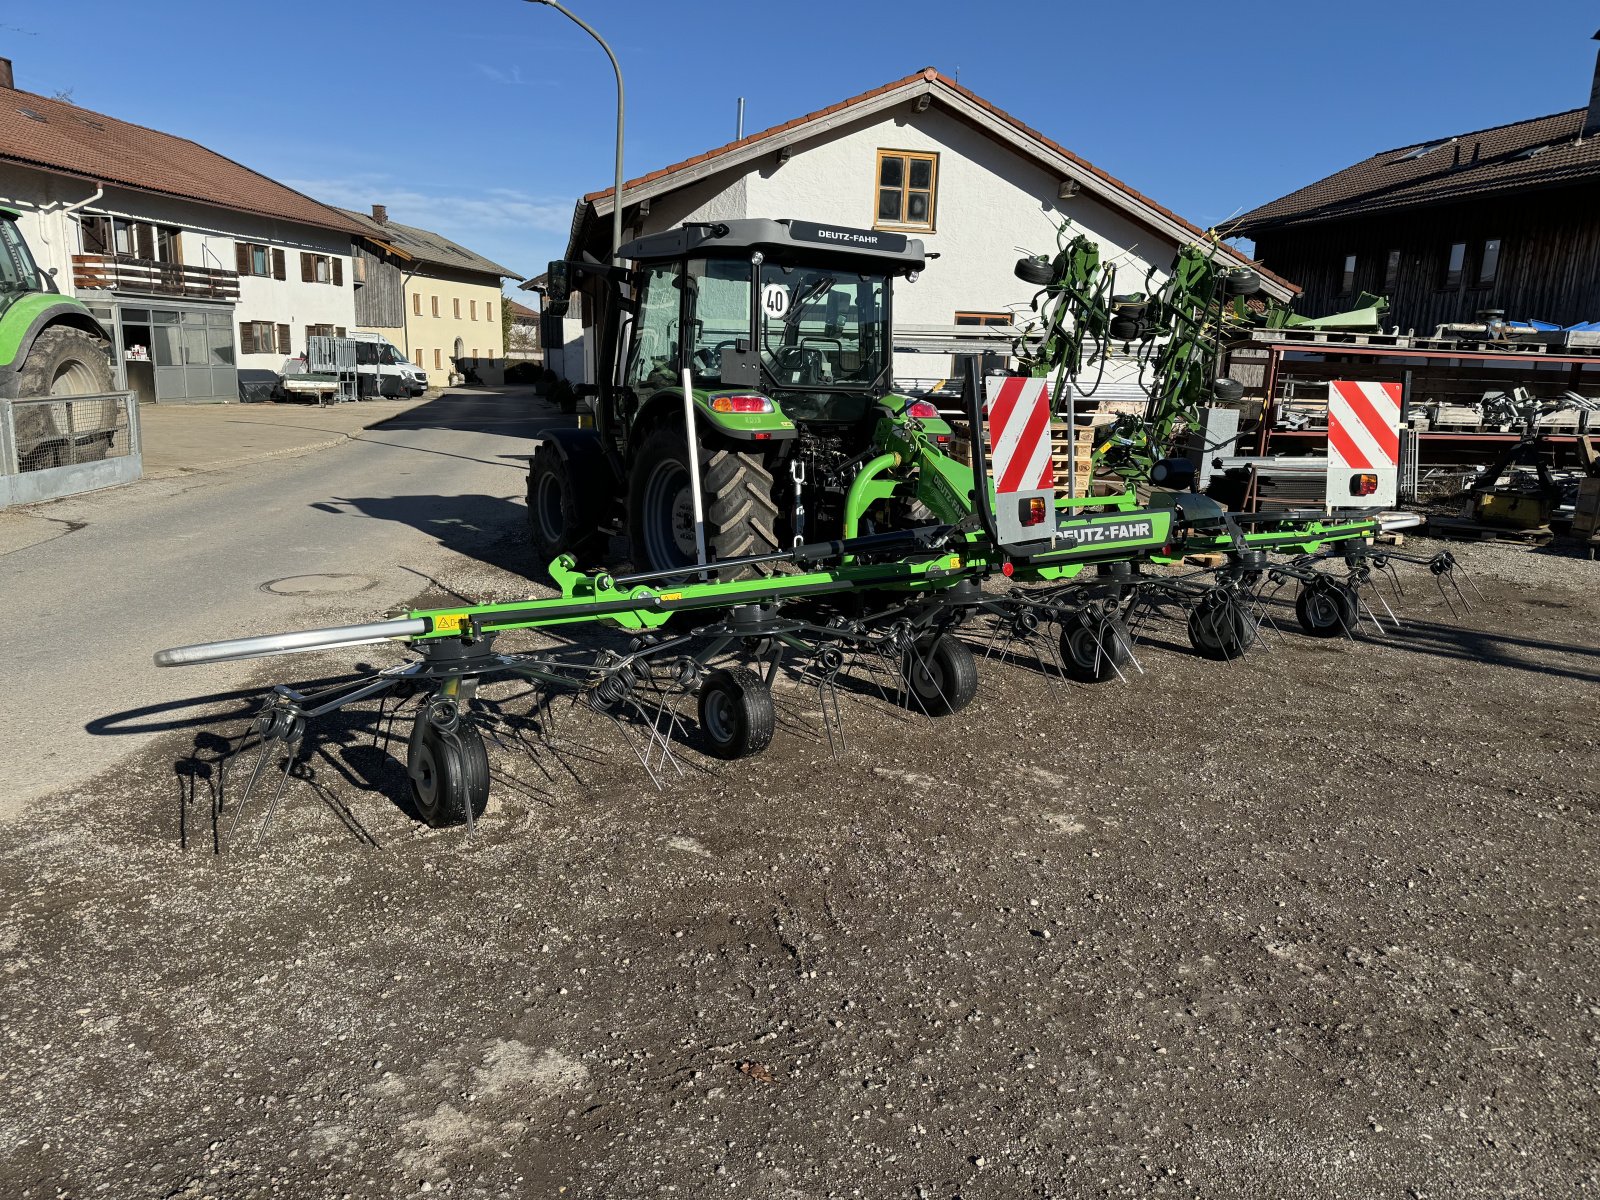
(775,300)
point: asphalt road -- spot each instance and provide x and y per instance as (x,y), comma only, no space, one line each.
(198,558)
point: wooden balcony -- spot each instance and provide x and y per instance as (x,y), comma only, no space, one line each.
(146,277)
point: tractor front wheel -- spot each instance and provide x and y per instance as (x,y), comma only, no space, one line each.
(563,517)
(738,492)
(65,362)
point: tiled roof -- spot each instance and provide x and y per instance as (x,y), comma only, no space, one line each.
(1505,158)
(57,136)
(930,76)
(521,312)
(427,246)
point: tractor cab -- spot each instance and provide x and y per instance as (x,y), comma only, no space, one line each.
(794,311)
(776,335)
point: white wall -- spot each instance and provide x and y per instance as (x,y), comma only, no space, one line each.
(993,205)
(209,236)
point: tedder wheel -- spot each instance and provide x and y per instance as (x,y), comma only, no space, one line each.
(1219,626)
(562,518)
(736,714)
(448,770)
(739,493)
(1094,649)
(942,675)
(1326,608)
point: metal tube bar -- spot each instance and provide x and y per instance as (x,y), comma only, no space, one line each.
(334,638)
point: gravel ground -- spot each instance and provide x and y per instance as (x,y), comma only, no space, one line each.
(1317,923)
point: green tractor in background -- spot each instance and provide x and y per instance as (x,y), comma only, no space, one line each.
(49,346)
(781,332)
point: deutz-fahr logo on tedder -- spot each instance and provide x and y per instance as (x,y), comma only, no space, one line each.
(1088,535)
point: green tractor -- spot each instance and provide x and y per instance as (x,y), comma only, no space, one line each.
(50,346)
(780,330)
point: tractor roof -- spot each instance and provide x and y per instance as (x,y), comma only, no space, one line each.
(894,251)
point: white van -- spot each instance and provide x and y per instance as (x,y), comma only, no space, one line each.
(382,368)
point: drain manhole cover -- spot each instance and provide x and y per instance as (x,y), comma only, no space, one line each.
(317,585)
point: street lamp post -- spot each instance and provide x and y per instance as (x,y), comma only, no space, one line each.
(616,196)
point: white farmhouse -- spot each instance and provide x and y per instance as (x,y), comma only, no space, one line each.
(922,156)
(201,270)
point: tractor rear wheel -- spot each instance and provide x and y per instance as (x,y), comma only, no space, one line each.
(739,493)
(563,517)
(64,362)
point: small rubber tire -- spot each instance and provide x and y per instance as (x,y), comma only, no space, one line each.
(942,678)
(1326,610)
(1093,651)
(1220,629)
(563,515)
(1040,272)
(736,714)
(447,772)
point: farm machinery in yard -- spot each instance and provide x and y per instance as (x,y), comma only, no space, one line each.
(50,346)
(891,567)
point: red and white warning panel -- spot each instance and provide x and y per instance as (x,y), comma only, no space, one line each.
(1363,444)
(1018,415)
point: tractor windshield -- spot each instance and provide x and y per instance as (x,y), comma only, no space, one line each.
(18,272)
(823,339)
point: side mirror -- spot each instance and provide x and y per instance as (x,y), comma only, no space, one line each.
(558,284)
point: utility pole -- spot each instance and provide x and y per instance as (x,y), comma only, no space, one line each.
(616,197)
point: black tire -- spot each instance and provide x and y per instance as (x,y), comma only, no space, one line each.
(1094,649)
(739,493)
(1327,609)
(736,714)
(563,511)
(447,771)
(942,676)
(63,361)
(1220,628)
(1040,272)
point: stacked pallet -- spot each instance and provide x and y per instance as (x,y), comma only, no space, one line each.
(1070,450)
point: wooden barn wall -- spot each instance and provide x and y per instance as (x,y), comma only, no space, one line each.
(381,301)
(1549,259)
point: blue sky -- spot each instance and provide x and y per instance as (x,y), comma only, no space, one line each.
(484,119)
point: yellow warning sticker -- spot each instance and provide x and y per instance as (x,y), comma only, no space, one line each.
(955,562)
(671,596)
(448,622)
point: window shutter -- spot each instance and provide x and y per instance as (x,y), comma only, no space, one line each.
(308,269)
(247,333)
(145,239)
(279,269)
(338,272)
(242,257)
(283,330)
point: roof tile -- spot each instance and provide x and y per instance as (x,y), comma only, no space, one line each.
(57,136)
(1468,164)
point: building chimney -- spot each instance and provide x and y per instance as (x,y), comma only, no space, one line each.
(380,214)
(6,78)
(1591,121)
